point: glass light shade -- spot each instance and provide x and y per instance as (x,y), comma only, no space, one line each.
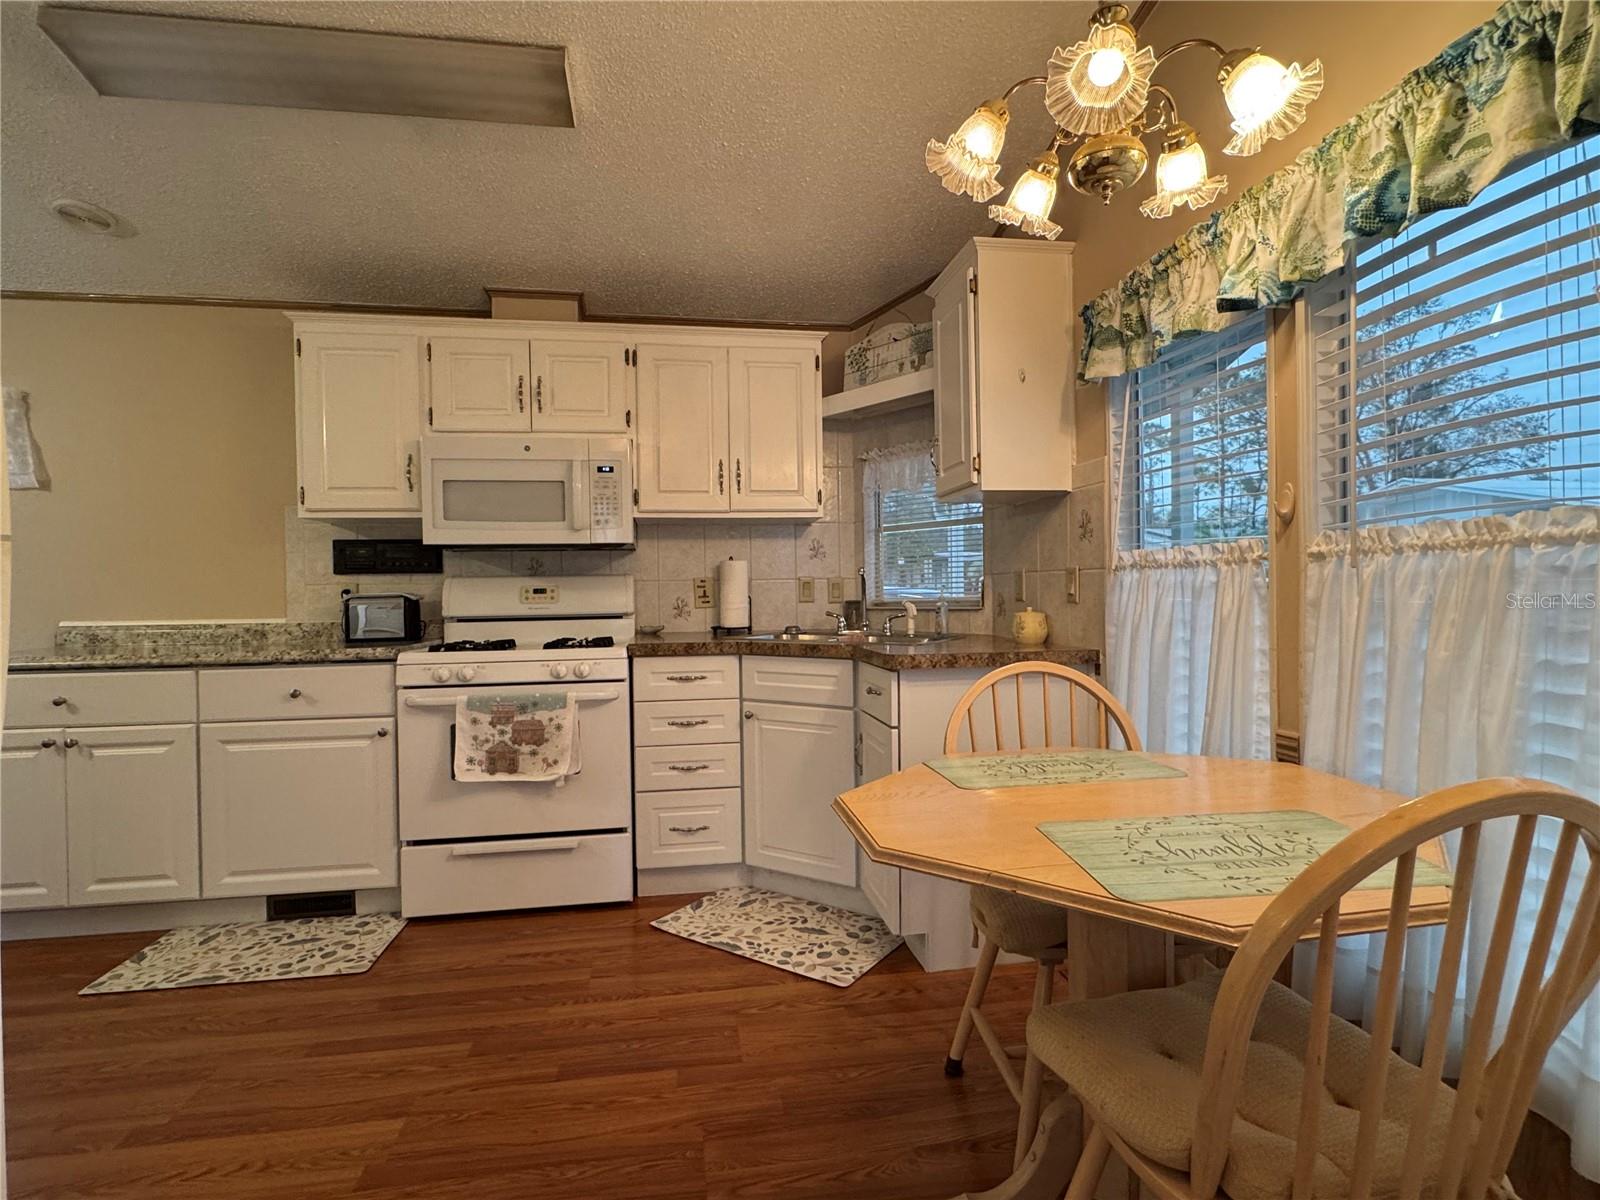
(1032,197)
(1267,99)
(969,163)
(1101,84)
(1181,177)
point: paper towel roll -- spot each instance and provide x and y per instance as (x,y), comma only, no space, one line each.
(733,593)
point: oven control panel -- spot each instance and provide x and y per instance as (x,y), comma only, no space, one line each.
(536,594)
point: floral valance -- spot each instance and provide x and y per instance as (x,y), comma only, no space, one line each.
(1525,81)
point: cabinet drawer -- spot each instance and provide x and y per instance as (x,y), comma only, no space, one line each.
(824,681)
(689,829)
(277,693)
(685,722)
(686,678)
(75,698)
(667,768)
(541,872)
(878,693)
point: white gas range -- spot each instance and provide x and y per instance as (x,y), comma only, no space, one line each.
(481,846)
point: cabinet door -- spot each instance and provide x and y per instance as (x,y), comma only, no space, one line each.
(477,383)
(877,755)
(683,429)
(579,387)
(774,427)
(955,400)
(360,413)
(33,820)
(797,758)
(297,806)
(132,814)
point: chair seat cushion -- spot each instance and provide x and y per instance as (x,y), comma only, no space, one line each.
(1135,1060)
(1016,923)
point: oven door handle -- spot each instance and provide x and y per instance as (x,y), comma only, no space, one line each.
(433,701)
(525,846)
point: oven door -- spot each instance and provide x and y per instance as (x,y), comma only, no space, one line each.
(485,489)
(434,807)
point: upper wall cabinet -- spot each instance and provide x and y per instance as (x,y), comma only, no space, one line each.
(1003,380)
(359,410)
(514,384)
(581,386)
(478,384)
(730,427)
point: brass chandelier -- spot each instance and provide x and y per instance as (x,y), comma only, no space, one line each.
(1100,95)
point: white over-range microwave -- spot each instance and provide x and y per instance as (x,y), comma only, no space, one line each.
(512,489)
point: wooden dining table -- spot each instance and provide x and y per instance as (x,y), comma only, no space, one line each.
(919,820)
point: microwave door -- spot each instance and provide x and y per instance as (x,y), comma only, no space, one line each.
(503,502)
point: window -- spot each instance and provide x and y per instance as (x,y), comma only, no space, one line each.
(917,546)
(1195,459)
(1456,366)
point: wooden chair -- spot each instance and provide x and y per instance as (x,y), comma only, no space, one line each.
(1083,714)
(1234,1084)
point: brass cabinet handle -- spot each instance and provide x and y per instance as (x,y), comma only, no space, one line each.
(522,405)
(686,678)
(70,743)
(687,767)
(689,724)
(411,483)
(721,477)
(748,715)
(47,743)
(874,690)
(858,755)
(295,693)
(738,474)
(383,732)
(688,828)
(538,392)
(59,701)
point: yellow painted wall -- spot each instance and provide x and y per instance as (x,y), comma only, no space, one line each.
(168,432)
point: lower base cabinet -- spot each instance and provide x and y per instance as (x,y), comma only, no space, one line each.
(877,755)
(797,758)
(132,814)
(297,806)
(33,820)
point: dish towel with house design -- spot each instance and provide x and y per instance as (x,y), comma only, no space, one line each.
(527,736)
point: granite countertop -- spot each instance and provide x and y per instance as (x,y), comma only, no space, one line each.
(224,644)
(964,651)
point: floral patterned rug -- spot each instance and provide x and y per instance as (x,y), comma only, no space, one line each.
(818,941)
(257,952)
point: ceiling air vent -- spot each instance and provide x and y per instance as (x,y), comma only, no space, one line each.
(148,56)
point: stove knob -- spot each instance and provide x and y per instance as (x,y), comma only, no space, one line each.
(441,674)
(465,674)
(558,671)
(582,670)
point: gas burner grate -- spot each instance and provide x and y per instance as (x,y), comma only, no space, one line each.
(580,643)
(466,645)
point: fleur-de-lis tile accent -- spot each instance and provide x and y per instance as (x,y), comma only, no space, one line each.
(680,607)
(816,549)
(1085,526)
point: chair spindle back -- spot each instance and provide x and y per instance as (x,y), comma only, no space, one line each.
(1089,711)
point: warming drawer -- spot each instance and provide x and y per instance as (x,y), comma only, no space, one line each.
(488,876)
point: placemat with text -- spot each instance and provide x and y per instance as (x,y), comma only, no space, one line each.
(1211,855)
(1043,768)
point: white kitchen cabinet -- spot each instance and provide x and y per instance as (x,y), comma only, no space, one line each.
(580,386)
(683,428)
(1004,326)
(774,427)
(358,410)
(797,758)
(33,820)
(877,755)
(478,384)
(297,806)
(132,814)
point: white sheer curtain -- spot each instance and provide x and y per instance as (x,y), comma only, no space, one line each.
(1450,651)
(1187,647)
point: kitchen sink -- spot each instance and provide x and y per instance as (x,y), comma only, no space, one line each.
(848,639)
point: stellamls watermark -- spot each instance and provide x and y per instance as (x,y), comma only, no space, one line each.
(1580,600)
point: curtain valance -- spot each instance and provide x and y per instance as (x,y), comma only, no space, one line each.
(1524,81)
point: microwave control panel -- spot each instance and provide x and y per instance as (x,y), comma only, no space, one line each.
(605,497)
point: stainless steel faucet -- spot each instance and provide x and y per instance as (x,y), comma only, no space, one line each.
(910,614)
(840,624)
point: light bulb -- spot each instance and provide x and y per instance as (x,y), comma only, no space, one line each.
(1180,170)
(1106,67)
(1256,89)
(1032,197)
(981,139)
(970,161)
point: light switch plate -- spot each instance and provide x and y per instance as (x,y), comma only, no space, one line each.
(808,591)
(835,590)
(1022,588)
(1072,585)
(702,592)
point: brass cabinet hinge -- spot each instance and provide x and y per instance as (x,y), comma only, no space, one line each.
(430,416)
(977,464)
(636,496)
(819,495)
(819,362)
(972,283)
(430,351)
(627,418)
(297,347)
(302,495)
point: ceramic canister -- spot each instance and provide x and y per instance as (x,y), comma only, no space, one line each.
(1030,628)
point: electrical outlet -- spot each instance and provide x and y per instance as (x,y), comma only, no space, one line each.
(1022,588)
(702,592)
(835,591)
(1072,585)
(808,591)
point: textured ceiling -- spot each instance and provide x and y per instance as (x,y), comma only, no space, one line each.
(738,160)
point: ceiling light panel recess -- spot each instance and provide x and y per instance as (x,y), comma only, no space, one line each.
(151,57)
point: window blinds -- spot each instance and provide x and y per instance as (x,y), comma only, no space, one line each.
(1195,454)
(919,547)
(1456,366)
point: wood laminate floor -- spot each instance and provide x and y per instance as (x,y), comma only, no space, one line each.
(575,1054)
